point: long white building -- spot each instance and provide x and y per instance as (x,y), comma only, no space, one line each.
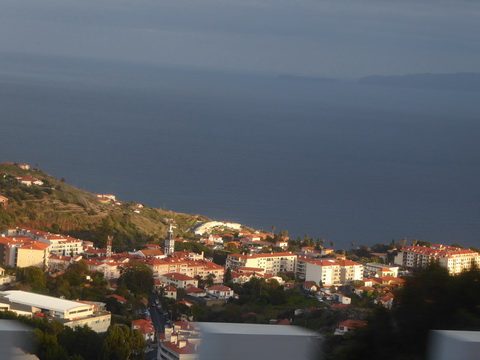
(69,313)
(454,259)
(58,244)
(270,263)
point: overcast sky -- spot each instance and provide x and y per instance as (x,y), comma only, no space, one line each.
(341,38)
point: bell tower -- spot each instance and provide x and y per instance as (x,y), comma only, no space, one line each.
(169,247)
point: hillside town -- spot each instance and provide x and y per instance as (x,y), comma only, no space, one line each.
(223,272)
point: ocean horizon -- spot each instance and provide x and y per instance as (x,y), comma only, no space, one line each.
(336,160)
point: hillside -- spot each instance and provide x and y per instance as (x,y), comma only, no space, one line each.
(58,207)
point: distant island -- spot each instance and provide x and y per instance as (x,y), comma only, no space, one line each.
(312,79)
(464,81)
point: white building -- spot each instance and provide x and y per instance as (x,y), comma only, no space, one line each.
(270,263)
(252,341)
(69,313)
(58,244)
(332,272)
(376,269)
(220,291)
(180,342)
(456,260)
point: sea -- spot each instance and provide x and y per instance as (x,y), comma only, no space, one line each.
(342,161)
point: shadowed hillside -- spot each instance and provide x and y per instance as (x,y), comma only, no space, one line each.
(58,207)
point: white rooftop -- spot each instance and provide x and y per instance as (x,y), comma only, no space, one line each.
(253,329)
(251,341)
(41,301)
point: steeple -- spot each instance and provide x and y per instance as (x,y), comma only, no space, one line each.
(169,248)
(109,246)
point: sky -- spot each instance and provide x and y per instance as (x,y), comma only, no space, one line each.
(335,38)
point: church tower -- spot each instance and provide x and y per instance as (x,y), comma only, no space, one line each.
(169,241)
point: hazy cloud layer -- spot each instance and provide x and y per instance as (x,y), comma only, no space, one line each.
(332,37)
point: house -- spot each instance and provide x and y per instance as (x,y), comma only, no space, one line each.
(24,166)
(376,269)
(345,300)
(349,325)
(29,180)
(151,253)
(180,281)
(119,298)
(145,327)
(310,286)
(170,292)
(360,290)
(220,291)
(282,245)
(386,301)
(107,196)
(195,292)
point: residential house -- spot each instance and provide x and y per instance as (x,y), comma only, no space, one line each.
(180,281)
(310,286)
(29,180)
(170,292)
(146,328)
(195,292)
(345,300)
(349,325)
(376,269)
(220,291)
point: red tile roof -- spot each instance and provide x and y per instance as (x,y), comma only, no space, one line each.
(352,324)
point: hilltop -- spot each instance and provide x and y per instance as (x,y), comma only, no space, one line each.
(58,207)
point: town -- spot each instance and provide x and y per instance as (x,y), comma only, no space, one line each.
(222,272)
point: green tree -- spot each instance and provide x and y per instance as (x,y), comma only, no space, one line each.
(47,346)
(121,343)
(138,278)
(34,277)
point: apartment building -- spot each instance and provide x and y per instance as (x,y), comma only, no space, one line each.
(179,342)
(59,244)
(191,266)
(22,251)
(455,260)
(270,263)
(330,271)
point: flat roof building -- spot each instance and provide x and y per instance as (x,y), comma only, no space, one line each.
(69,312)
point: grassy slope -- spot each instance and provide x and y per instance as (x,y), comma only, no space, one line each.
(59,207)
